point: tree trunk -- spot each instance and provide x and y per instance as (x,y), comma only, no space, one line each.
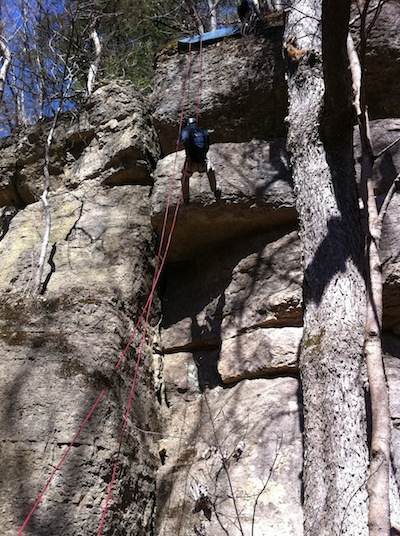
(379,469)
(195,16)
(94,66)
(6,52)
(378,484)
(212,6)
(320,142)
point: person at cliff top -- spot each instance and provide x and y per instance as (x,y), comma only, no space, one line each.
(196,141)
(247,10)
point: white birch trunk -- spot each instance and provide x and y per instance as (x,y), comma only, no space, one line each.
(46,209)
(6,53)
(380,462)
(94,66)
(212,6)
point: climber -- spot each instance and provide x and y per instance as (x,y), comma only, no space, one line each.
(248,11)
(196,141)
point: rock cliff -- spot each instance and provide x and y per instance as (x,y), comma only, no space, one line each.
(214,440)
(59,349)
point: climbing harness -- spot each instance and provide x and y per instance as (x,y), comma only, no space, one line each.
(143,321)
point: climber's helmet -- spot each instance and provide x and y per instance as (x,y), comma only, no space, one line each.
(191,121)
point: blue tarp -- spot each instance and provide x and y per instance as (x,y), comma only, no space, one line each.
(209,37)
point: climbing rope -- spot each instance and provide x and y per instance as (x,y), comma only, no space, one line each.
(143,319)
(198,103)
(140,352)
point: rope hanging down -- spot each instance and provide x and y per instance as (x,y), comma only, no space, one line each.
(140,353)
(143,319)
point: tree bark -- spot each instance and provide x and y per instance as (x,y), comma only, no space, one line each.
(380,462)
(212,6)
(320,143)
(6,52)
(46,207)
(94,66)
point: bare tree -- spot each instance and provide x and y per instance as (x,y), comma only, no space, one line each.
(212,6)
(94,66)
(331,357)
(380,462)
(6,52)
(195,16)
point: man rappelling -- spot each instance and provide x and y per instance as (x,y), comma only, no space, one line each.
(196,141)
(248,12)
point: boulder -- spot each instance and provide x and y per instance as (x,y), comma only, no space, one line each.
(268,351)
(254,429)
(242,97)
(256,195)
(235,288)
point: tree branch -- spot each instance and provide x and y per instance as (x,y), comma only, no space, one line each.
(5,49)
(387,200)
(94,66)
(355,68)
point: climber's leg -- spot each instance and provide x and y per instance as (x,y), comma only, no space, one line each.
(186,174)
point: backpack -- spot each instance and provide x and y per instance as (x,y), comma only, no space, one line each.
(197,145)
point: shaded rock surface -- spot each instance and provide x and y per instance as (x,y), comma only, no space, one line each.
(390,257)
(254,429)
(384,133)
(260,353)
(383,55)
(244,285)
(59,349)
(391,348)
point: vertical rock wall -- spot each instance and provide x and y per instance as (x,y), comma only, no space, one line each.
(231,453)
(214,444)
(59,349)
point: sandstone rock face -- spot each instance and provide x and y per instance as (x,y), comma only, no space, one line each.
(124,148)
(383,55)
(226,401)
(252,433)
(247,97)
(390,256)
(113,140)
(59,349)
(242,286)
(256,195)
(384,133)
(259,353)
(252,78)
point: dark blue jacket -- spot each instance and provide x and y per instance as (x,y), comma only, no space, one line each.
(196,141)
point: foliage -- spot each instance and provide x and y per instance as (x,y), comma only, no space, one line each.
(52,50)
(134,30)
